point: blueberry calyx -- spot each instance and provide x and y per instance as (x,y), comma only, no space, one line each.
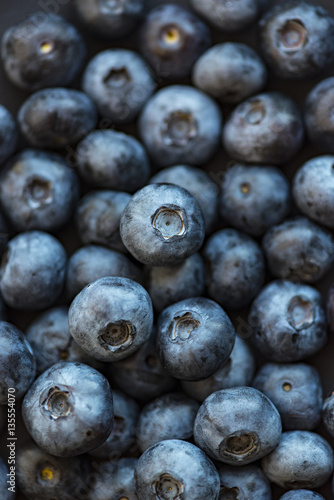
(170,37)
(38,192)
(179,128)
(183,325)
(300,313)
(293,36)
(117,336)
(57,402)
(239,445)
(255,113)
(169,221)
(115,7)
(229,493)
(168,488)
(117,78)
(46,47)
(49,473)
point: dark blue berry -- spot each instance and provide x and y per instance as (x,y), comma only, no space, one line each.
(318,120)
(8,134)
(114,479)
(243,483)
(301,495)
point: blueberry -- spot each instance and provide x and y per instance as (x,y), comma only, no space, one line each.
(235,268)
(8,134)
(301,495)
(5,493)
(120,83)
(4,237)
(302,459)
(111,318)
(162,225)
(266,128)
(115,479)
(254,198)
(318,120)
(237,426)
(229,16)
(297,39)
(69,409)
(174,469)
(40,475)
(296,391)
(330,308)
(243,483)
(92,262)
(170,416)
(38,191)
(172,39)
(237,371)
(194,338)
(111,18)
(32,271)
(98,217)
(41,51)
(167,285)
(299,250)
(51,341)
(198,183)
(328,414)
(141,376)
(230,72)
(17,363)
(113,160)
(122,436)
(288,321)
(54,118)
(180,124)
(313,189)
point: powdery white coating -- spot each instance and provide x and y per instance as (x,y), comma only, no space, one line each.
(185,463)
(288,321)
(204,121)
(328,414)
(120,83)
(237,371)
(239,412)
(8,134)
(301,495)
(230,72)
(115,480)
(318,120)
(102,305)
(301,460)
(266,128)
(313,189)
(249,481)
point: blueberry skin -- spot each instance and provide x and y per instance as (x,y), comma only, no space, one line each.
(265,129)
(111,20)
(230,72)
(176,469)
(141,376)
(180,124)
(119,82)
(98,217)
(237,371)
(42,51)
(302,459)
(254,198)
(4,238)
(57,117)
(115,479)
(38,191)
(296,391)
(198,183)
(328,414)
(8,134)
(172,39)
(297,40)
(113,160)
(318,122)
(195,337)
(32,271)
(4,492)
(51,341)
(92,262)
(162,225)
(299,250)
(170,416)
(301,495)
(41,475)
(243,483)
(122,436)
(288,321)
(235,268)
(17,362)
(111,318)
(237,426)
(167,285)
(228,16)
(64,416)
(313,190)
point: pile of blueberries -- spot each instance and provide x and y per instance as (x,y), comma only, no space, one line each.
(172,308)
